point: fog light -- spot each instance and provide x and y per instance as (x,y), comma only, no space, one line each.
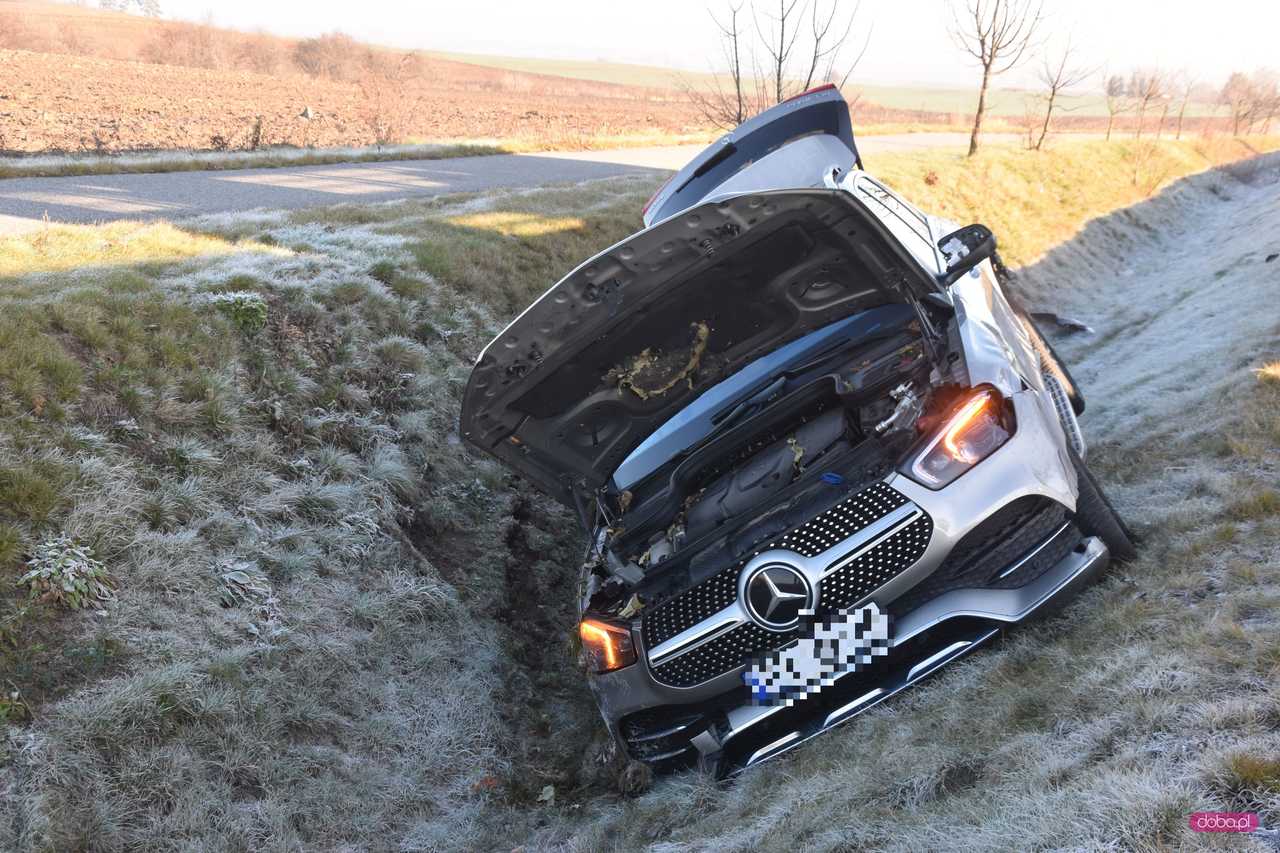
(605,646)
(971,432)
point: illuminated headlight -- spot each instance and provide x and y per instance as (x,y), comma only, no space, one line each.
(969,433)
(606,646)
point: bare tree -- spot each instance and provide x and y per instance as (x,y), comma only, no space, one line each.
(1184,86)
(997,33)
(1057,75)
(828,43)
(1266,99)
(779,41)
(1237,96)
(724,107)
(1146,85)
(783,54)
(1117,100)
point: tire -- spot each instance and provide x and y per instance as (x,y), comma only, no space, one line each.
(1097,517)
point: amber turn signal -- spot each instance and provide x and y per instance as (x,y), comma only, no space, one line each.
(605,646)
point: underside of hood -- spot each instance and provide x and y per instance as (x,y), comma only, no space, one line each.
(638,332)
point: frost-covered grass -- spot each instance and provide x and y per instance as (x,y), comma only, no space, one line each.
(251,422)
(336,629)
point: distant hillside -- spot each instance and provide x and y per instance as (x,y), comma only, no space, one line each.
(925,99)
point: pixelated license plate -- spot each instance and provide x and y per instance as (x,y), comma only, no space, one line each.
(838,643)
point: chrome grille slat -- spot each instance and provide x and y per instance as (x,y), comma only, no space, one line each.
(723,654)
(839,713)
(667,732)
(665,755)
(873,567)
(703,632)
(937,657)
(764,751)
(876,533)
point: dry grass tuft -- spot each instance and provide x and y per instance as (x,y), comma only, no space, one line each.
(1036,200)
(252,424)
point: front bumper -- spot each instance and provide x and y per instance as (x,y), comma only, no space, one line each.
(671,722)
(928,638)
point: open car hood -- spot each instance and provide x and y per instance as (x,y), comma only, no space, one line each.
(635,334)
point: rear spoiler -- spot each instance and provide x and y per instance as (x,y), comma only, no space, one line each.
(819,110)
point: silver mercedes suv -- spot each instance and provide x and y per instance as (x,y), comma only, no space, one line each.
(817,452)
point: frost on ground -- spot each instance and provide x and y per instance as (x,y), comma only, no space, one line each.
(335,629)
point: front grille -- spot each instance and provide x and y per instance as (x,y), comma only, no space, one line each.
(718,656)
(717,592)
(869,572)
(843,587)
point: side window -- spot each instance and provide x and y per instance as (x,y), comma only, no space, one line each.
(904,221)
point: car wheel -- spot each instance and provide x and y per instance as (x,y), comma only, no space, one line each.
(1097,517)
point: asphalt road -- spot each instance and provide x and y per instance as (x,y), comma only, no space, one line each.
(26,203)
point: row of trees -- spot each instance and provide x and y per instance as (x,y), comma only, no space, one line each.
(775,48)
(1146,89)
(1252,100)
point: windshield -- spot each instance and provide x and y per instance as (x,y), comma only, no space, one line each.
(693,423)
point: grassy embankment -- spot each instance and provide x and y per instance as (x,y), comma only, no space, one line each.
(333,626)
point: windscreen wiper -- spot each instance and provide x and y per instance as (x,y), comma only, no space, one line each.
(765,395)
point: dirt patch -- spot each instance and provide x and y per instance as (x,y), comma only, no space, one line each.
(555,733)
(50,102)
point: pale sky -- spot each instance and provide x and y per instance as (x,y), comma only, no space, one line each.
(910,43)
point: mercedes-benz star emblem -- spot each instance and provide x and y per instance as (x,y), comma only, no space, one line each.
(775,595)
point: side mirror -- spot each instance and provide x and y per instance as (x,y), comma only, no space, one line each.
(965,249)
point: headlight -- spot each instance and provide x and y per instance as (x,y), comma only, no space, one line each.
(969,433)
(606,646)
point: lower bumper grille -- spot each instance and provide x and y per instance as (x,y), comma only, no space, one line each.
(661,736)
(738,734)
(1011,548)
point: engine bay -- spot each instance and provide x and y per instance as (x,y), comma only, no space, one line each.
(816,433)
